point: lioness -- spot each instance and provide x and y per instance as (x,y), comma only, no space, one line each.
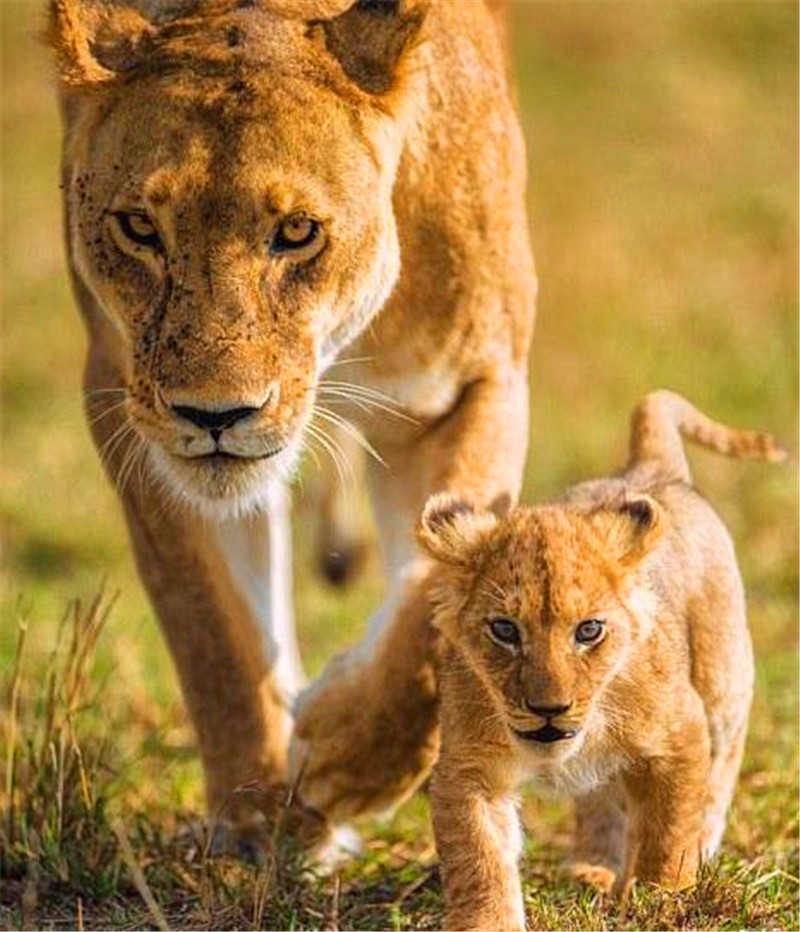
(252,186)
(599,645)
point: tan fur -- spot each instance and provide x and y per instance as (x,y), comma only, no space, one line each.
(393,125)
(658,706)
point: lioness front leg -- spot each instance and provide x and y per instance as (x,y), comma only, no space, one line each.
(366,731)
(228,631)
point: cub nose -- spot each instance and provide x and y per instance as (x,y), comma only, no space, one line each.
(547,711)
(213,419)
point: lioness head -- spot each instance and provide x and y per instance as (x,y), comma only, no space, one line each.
(228,174)
(544,606)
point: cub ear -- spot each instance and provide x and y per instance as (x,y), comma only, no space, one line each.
(95,40)
(632,527)
(452,530)
(370,38)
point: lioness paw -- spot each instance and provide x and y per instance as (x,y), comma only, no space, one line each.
(599,876)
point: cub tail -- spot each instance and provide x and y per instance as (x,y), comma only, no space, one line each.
(662,418)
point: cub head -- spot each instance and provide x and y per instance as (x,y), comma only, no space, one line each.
(544,605)
(228,173)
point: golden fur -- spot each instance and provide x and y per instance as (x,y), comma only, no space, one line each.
(643,720)
(195,130)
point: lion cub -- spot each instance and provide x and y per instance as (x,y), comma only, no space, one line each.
(597,644)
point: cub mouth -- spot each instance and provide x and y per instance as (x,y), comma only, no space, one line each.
(547,734)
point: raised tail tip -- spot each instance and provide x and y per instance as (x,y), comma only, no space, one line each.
(752,445)
(770,450)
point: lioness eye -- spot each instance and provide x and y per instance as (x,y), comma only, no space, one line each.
(589,631)
(138,228)
(295,233)
(504,631)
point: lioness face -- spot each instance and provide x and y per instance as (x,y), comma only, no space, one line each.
(237,232)
(544,606)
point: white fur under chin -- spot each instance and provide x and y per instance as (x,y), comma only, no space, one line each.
(252,500)
(583,765)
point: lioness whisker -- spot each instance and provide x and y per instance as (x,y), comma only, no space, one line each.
(334,418)
(95,419)
(352,359)
(333,397)
(312,451)
(361,401)
(366,390)
(334,451)
(132,456)
(114,440)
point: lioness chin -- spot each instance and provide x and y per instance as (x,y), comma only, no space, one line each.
(597,645)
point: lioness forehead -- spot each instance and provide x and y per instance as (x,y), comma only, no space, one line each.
(238,38)
(167,141)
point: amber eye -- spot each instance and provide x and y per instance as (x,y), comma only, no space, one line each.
(138,228)
(590,631)
(297,234)
(504,632)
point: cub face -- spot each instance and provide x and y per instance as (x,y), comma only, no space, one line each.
(229,210)
(545,607)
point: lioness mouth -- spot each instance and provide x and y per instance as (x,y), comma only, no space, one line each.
(546,734)
(220,457)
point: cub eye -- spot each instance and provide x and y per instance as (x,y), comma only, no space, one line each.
(504,631)
(297,233)
(138,228)
(589,632)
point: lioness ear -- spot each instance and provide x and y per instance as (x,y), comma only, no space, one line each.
(630,528)
(452,530)
(96,40)
(369,39)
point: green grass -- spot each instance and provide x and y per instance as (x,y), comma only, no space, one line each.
(663,154)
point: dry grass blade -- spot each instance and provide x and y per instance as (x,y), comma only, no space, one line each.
(138,877)
(54,824)
(11,727)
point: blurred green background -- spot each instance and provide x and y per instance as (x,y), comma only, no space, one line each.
(663,203)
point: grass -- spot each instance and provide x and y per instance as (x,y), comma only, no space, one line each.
(663,151)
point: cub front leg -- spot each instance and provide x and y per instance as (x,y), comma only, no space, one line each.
(475,821)
(668,799)
(479,842)
(600,855)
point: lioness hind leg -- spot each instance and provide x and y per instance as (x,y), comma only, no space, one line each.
(601,837)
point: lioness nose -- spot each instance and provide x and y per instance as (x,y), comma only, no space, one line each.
(547,711)
(213,419)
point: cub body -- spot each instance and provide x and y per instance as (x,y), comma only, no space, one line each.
(598,645)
